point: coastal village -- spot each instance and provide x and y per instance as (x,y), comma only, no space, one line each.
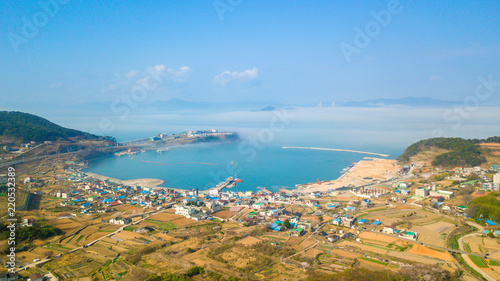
(376,214)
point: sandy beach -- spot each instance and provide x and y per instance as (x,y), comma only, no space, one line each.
(140,182)
(364,172)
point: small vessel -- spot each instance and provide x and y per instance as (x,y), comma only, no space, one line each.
(237,180)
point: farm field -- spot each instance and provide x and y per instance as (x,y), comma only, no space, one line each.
(224,214)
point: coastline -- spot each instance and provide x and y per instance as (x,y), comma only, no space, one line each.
(145,182)
(366,171)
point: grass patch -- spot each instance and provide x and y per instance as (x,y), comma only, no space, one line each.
(71,238)
(480,262)
(375,261)
(163,225)
(80,238)
(467,247)
(362,215)
(494,263)
(107,230)
(129,228)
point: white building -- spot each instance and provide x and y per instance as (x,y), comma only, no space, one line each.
(184,210)
(389,229)
(496,181)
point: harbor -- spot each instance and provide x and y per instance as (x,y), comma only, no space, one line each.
(230,182)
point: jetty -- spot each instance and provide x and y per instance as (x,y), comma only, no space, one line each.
(337,149)
(229,183)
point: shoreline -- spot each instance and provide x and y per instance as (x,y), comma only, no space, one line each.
(364,172)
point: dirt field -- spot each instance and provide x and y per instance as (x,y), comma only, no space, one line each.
(164,217)
(425,251)
(183,222)
(345,254)
(378,237)
(249,241)
(363,247)
(224,214)
(137,210)
(163,236)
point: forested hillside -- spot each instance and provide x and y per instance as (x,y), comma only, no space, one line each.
(24,127)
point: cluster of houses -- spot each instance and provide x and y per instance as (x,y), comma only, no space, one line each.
(93,195)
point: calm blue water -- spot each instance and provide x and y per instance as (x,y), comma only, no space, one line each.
(272,167)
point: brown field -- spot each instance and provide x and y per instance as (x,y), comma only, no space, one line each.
(129,208)
(164,217)
(346,254)
(491,145)
(363,247)
(412,257)
(404,207)
(426,251)
(224,214)
(249,241)
(183,222)
(163,236)
(128,235)
(311,253)
(378,237)
(478,193)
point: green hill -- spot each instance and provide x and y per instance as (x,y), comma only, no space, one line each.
(23,127)
(487,207)
(462,152)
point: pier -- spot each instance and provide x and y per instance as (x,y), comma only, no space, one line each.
(229,183)
(336,149)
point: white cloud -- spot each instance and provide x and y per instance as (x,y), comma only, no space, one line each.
(228,76)
(435,78)
(132,73)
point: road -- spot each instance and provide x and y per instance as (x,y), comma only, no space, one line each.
(465,254)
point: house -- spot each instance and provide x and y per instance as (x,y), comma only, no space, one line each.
(62,194)
(422,192)
(27,180)
(299,231)
(272,213)
(366,203)
(336,221)
(443,193)
(143,230)
(350,209)
(27,223)
(348,221)
(184,210)
(120,220)
(409,235)
(333,238)
(389,229)
(333,205)
(260,205)
(35,277)
(65,216)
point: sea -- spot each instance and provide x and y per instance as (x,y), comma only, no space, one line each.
(204,165)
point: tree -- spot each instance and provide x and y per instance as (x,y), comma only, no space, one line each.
(320,218)
(287,224)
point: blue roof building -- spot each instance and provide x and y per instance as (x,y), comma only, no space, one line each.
(490,222)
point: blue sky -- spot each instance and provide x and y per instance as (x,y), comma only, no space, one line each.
(280,51)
